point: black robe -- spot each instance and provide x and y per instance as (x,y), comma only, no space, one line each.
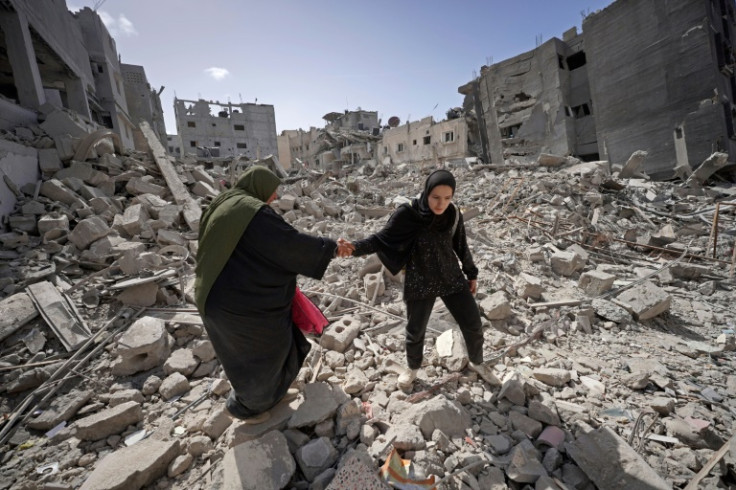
(248,311)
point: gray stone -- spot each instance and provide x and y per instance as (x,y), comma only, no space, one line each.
(544,411)
(175,384)
(513,390)
(437,413)
(181,361)
(406,437)
(527,425)
(525,466)
(260,464)
(133,467)
(316,456)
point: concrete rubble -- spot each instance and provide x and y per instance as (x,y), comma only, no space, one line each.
(608,320)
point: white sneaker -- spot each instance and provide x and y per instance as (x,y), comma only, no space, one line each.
(486,372)
(406,379)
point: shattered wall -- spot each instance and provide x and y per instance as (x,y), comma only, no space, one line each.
(42,51)
(523,103)
(655,79)
(651,75)
(236,129)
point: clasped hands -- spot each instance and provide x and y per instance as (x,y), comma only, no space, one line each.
(344,248)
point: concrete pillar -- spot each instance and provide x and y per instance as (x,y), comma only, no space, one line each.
(22,59)
(76,96)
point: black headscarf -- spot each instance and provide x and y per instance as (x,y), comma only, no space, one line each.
(396,239)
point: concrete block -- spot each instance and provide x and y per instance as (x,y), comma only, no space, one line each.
(339,335)
(566,263)
(645,300)
(595,283)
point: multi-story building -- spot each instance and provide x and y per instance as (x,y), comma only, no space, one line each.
(144,103)
(108,104)
(235,129)
(664,85)
(426,142)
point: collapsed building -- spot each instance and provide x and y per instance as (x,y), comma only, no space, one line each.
(347,138)
(664,85)
(62,69)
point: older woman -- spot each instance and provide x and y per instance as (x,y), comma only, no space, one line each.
(247,263)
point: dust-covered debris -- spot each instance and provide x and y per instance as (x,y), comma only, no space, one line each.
(607,302)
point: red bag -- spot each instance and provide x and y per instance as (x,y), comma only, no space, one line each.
(306,315)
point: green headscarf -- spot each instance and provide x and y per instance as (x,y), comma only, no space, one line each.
(224,222)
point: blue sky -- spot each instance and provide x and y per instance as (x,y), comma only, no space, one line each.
(402,58)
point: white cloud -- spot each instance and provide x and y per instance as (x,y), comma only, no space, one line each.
(216,72)
(120,26)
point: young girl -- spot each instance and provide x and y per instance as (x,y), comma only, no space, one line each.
(427,238)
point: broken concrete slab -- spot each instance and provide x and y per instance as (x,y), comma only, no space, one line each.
(133,467)
(108,422)
(611,463)
(18,310)
(261,464)
(645,300)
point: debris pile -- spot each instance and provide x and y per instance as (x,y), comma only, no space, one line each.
(608,319)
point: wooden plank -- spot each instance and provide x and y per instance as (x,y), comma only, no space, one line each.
(694,484)
(59,314)
(15,311)
(190,208)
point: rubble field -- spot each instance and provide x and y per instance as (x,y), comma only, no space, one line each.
(607,302)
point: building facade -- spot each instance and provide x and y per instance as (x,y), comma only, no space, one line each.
(235,129)
(643,75)
(144,103)
(425,142)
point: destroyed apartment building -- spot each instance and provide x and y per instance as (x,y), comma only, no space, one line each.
(606,297)
(357,137)
(235,129)
(650,76)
